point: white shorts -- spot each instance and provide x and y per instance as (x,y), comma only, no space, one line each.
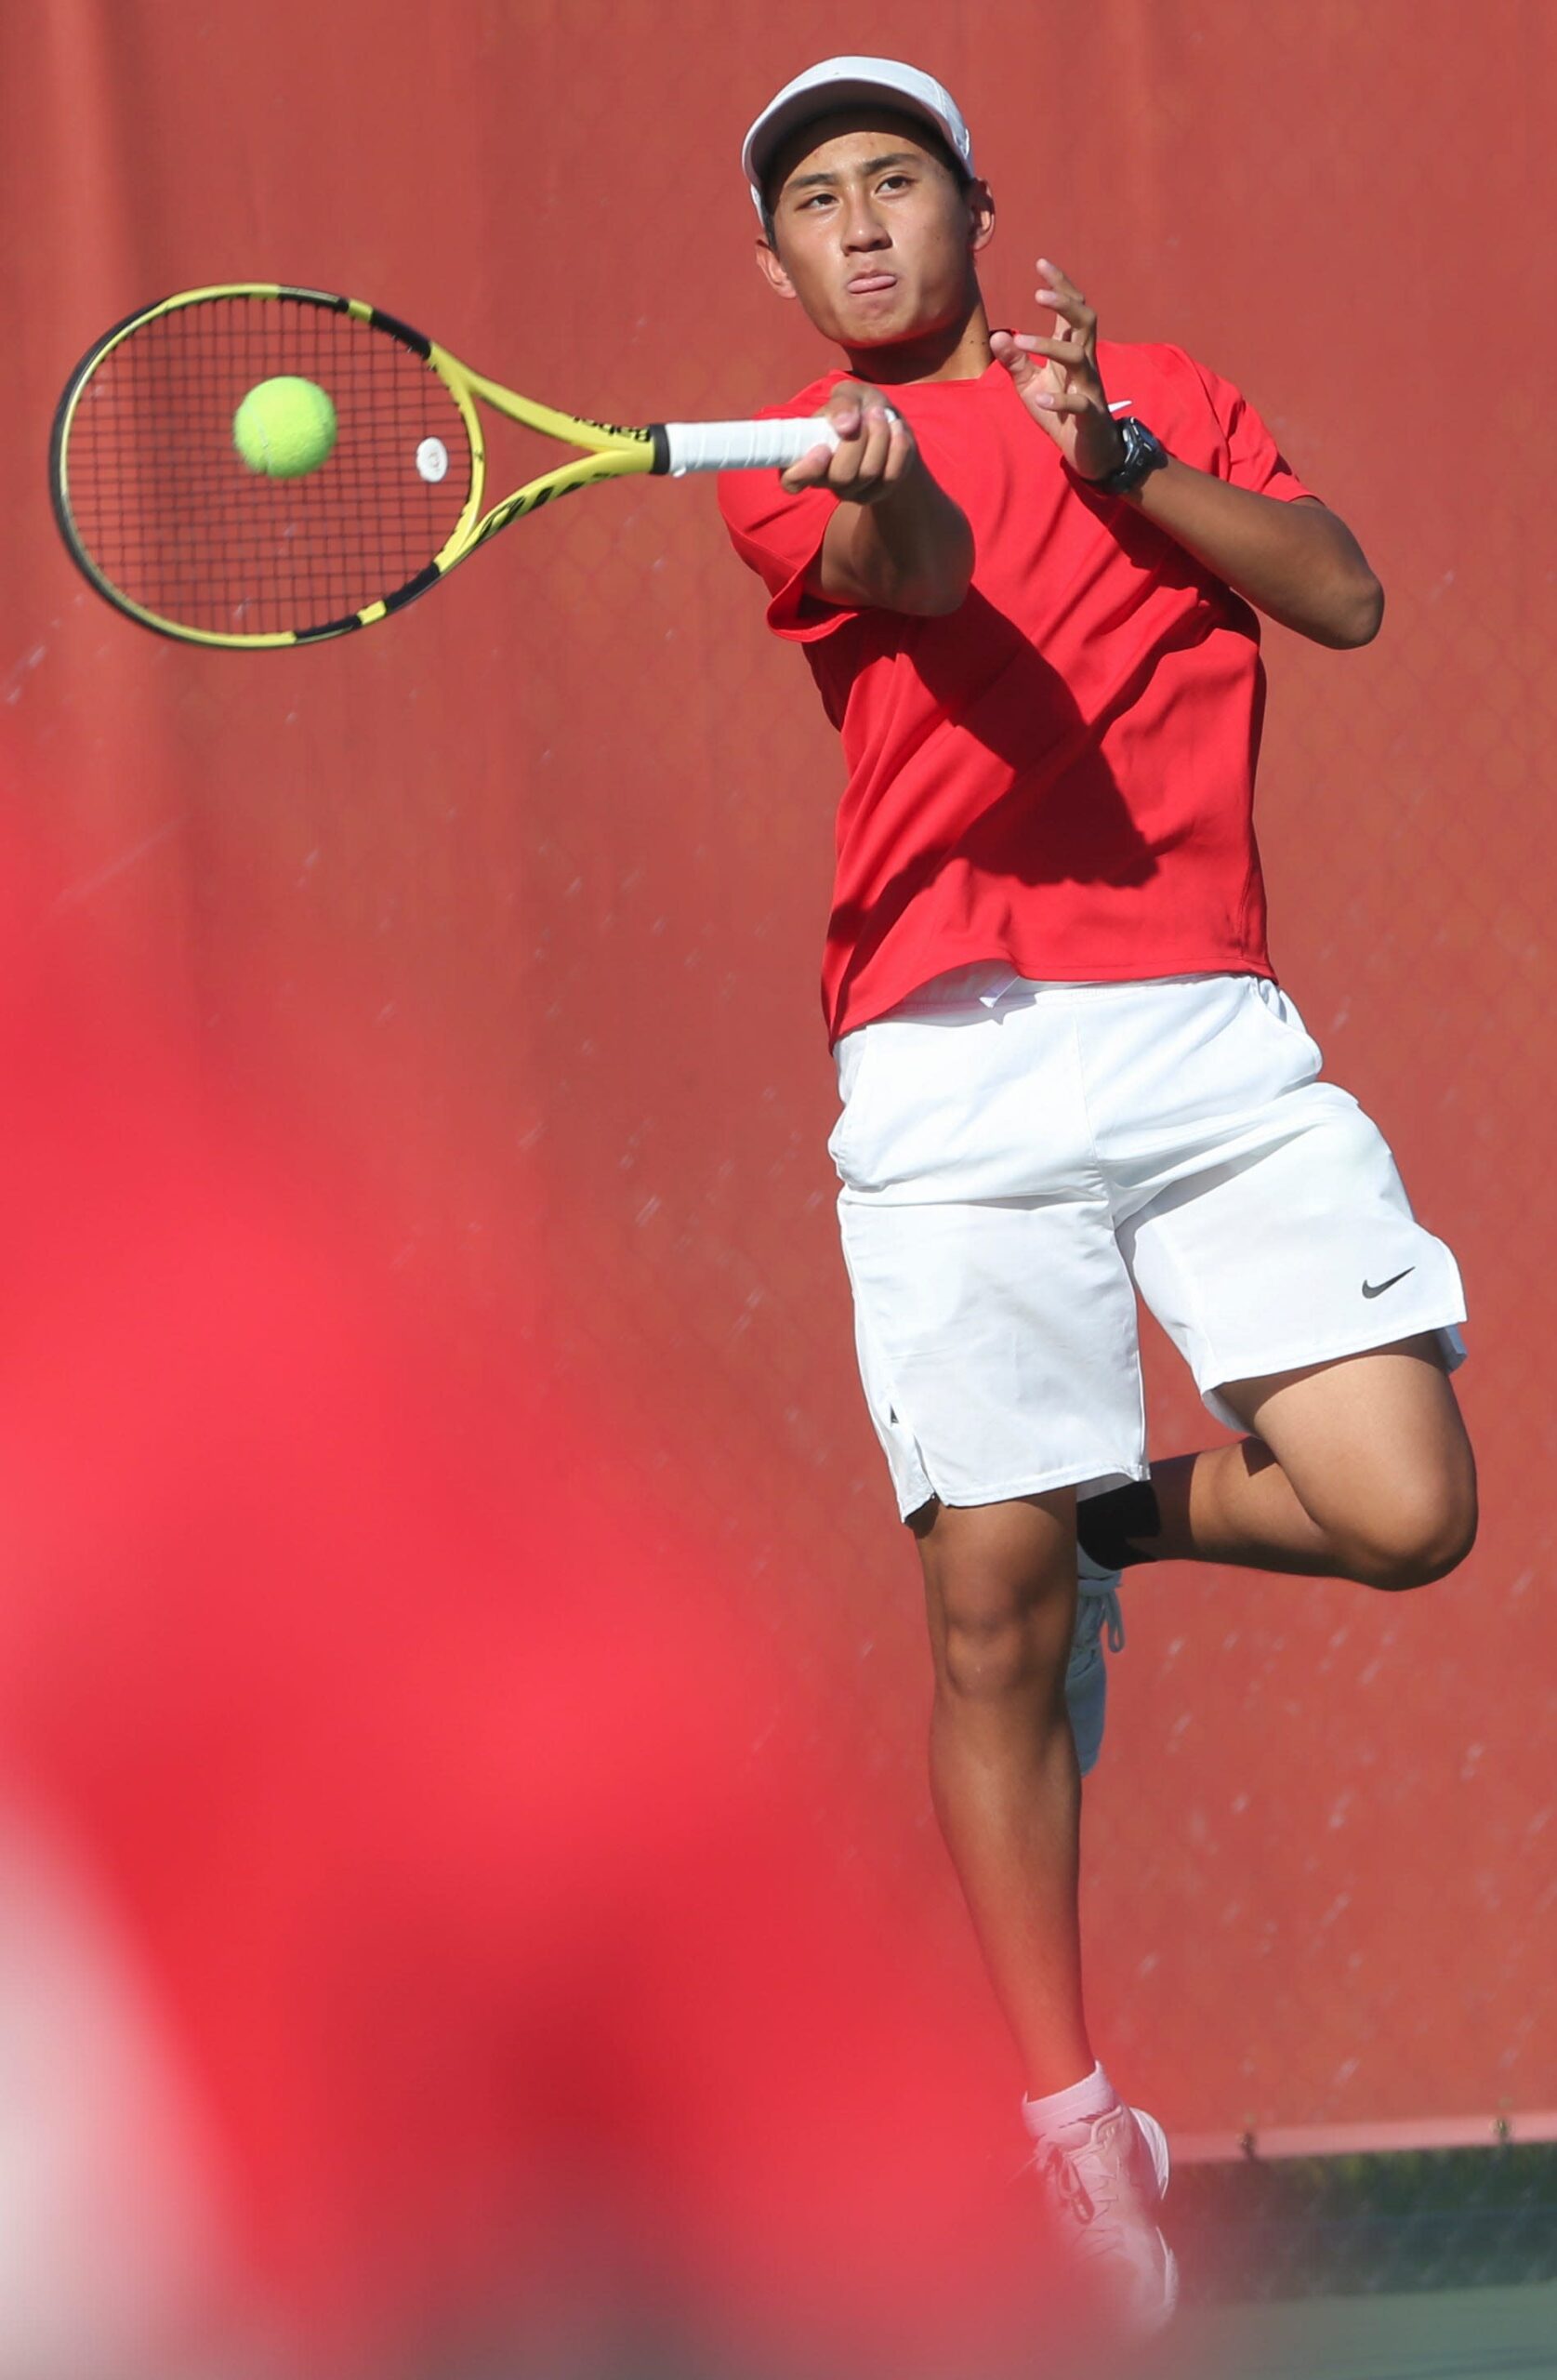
(1021,1161)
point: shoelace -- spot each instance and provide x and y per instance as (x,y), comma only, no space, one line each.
(1058,2174)
(1096,1608)
(1095,2211)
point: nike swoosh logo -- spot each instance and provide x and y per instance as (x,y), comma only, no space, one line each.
(1377,1289)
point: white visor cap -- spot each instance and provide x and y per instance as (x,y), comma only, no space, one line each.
(837,83)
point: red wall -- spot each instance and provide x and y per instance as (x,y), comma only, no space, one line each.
(519,898)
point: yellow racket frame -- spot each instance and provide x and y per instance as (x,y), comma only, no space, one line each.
(611,452)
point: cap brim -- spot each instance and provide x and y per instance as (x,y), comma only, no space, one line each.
(774,128)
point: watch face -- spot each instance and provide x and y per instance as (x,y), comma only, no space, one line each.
(1142,454)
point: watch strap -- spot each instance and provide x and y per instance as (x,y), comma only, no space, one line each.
(1143,454)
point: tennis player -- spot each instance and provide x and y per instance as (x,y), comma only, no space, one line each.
(1027,584)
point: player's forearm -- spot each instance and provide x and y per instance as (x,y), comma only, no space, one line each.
(911,551)
(1297,561)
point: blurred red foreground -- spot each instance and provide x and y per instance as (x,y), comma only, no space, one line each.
(433,1939)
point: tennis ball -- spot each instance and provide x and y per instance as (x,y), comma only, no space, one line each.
(285,428)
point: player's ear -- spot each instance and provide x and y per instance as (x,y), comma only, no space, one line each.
(770,268)
(980,200)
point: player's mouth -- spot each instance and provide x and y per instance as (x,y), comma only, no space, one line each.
(868,285)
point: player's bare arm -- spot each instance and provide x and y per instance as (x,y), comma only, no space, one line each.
(896,540)
(1297,561)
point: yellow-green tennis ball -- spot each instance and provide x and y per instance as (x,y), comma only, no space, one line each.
(285,428)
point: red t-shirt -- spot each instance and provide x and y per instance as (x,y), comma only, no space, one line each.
(1060,773)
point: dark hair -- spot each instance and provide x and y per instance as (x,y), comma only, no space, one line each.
(934,140)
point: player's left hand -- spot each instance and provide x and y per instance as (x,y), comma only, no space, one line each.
(1058,378)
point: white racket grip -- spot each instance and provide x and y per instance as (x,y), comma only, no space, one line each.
(743,446)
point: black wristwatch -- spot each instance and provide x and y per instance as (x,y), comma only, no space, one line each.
(1143,454)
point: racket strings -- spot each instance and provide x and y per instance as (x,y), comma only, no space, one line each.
(169,513)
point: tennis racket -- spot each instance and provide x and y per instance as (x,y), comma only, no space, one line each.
(171,525)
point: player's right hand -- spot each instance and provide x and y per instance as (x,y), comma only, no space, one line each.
(875,453)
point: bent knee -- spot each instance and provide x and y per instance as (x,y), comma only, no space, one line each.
(1424,1538)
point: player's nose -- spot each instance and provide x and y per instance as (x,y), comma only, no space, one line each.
(863,227)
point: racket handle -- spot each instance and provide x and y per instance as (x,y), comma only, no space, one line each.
(738,445)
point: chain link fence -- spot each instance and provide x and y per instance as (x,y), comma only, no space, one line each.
(1368,2224)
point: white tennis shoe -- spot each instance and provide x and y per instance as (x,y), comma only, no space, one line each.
(1105,2178)
(1098,1618)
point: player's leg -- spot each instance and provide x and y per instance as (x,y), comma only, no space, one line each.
(997,1333)
(1359,1468)
(1265,1224)
(1000,1598)
(1000,1586)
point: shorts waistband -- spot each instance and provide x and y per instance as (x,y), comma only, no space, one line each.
(987,983)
